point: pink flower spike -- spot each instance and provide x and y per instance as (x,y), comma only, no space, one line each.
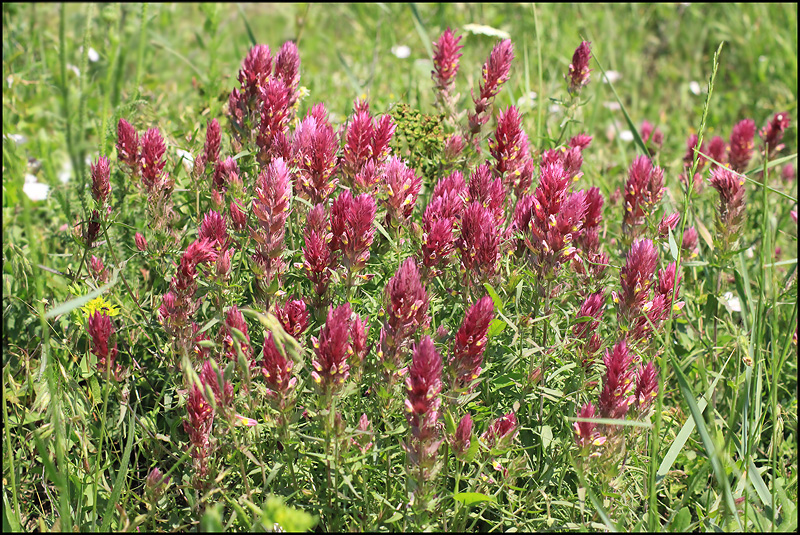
(581,141)
(741,144)
(578,75)
(314,148)
(497,69)
(773,132)
(730,214)
(668,222)
(211,147)
(211,377)
(406,311)
(690,241)
(255,71)
(141,242)
(586,434)
(479,241)
(424,385)
(501,432)
(718,150)
(293,316)
(101,187)
(152,159)
(234,320)
(646,387)
(463,437)
(359,329)
(617,383)
(333,348)
(100,329)
(643,192)
(509,148)
(652,135)
(277,372)
(287,67)
(213,228)
(403,187)
(496,72)
(636,278)
(591,308)
(271,210)
(446,54)
(128,145)
(363,435)
(470,344)
(484,189)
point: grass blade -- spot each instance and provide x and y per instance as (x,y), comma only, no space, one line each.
(636,137)
(686,430)
(247,27)
(708,443)
(423,33)
(119,483)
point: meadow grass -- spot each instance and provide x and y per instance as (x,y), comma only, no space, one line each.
(720,450)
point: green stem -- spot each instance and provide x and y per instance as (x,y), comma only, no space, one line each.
(653,517)
(140,58)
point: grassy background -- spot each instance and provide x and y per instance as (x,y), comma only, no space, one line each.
(175,72)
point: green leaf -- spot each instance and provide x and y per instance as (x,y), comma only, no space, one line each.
(211,521)
(681,521)
(498,303)
(394,518)
(10,520)
(287,518)
(496,326)
(469,498)
(673,247)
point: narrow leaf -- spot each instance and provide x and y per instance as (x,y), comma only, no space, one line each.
(708,443)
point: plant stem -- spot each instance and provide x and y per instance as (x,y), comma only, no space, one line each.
(653,517)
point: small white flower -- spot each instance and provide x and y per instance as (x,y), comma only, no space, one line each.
(554,108)
(612,105)
(74,69)
(482,29)
(527,100)
(626,135)
(35,190)
(30,179)
(93,55)
(731,302)
(66,171)
(401,51)
(19,139)
(10,80)
(694,87)
(611,76)
(187,158)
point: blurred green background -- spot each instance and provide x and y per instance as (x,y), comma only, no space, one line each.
(187,57)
